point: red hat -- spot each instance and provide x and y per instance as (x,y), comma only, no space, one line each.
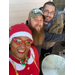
(19,30)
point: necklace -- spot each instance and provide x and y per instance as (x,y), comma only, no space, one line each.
(25,61)
(22,61)
(15,68)
(25,64)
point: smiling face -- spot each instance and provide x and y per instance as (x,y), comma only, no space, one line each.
(36,26)
(37,22)
(48,12)
(19,51)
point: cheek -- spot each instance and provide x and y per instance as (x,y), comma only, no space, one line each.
(27,48)
(51,16)
(42,24)
(45,15)
(33,23)
(13,47)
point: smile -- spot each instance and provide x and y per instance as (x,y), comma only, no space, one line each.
(21,51)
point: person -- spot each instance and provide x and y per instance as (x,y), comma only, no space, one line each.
(35,23)
(53,23)
(23,56)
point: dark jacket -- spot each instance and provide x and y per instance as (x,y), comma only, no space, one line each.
(50,37)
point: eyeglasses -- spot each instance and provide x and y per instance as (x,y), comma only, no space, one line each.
(19,41)
(47,12)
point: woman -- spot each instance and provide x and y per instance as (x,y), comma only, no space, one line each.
(23,57)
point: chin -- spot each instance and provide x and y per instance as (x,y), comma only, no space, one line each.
(38,30)
(47,20)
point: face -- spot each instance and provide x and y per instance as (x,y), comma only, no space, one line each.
(48,12)
(36,27)
(37,22)
(19,51)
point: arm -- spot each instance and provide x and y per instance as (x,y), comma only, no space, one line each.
(51,37)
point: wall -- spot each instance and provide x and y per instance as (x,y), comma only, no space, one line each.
(19,9)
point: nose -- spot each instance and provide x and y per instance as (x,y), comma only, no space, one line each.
(49,14)
(39,23)
(23,45)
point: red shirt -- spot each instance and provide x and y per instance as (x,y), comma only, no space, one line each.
(28,69)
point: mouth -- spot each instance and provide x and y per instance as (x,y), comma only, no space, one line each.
(37,28)
(21,51)
(48,17)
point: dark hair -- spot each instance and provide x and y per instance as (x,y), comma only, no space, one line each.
(40,8)
(49,3)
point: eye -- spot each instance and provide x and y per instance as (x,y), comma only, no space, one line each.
(52,12)
(41,20)
(46,10)
(35,20)
(28,42)
(18,41)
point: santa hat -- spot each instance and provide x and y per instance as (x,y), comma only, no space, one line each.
(19,30)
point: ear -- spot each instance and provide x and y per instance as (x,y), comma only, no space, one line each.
(9,47)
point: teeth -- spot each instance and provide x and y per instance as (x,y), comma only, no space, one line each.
(21,50)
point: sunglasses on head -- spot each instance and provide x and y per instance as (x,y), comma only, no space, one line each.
(20,41)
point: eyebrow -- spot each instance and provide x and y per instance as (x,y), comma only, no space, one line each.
(17,37)
(48,10)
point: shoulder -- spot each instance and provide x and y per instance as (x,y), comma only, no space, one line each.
(59,16)
(58,20)
(34,52)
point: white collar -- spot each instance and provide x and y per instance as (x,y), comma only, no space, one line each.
(21,67)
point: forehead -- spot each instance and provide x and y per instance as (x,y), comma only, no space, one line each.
(23,37)
(49,7)
(38,17)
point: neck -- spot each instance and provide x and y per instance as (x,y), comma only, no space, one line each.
(17,57)
(45,22)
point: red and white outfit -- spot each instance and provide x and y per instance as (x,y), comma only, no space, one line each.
(28,69)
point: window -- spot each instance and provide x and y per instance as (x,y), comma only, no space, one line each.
(60,4)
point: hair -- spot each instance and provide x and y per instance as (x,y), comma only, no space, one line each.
(49,3)
(41,8)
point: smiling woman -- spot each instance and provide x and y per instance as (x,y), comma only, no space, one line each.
(20,48)
(22,53)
